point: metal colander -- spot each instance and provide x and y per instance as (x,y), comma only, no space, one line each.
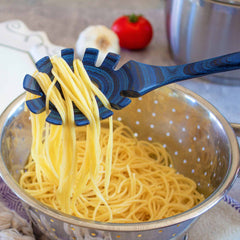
(202,143)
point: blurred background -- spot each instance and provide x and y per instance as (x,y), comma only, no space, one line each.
(63,20)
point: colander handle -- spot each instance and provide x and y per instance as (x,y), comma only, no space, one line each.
(236,128)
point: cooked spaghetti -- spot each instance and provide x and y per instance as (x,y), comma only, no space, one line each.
(100,171)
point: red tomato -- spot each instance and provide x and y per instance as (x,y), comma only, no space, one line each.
(134,32)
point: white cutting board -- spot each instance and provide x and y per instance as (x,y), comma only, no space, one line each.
(20,48)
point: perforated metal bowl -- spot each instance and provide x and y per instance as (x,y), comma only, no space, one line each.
(201,141)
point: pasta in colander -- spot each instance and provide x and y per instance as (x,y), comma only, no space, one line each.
(99,171)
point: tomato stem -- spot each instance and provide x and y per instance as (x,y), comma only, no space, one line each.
(133,18)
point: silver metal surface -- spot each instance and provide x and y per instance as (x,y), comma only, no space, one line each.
(201,141)
(227,2)
(200,29)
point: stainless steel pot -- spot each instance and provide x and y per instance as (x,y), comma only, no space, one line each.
(202,143)
(199,29)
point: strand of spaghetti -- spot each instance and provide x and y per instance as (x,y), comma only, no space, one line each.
(92,155)
(38,148)
(91,87)
(50,159)
(95,126)
(55,146)
(80,98)
(54,95)
(100,195)
(79,103)
(86,88)
(108,161)
(68,165)
(76,100)
(35,141)
(44,81)
(94,88)
(89,155)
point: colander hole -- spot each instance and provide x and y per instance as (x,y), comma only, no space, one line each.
(184,161)
(137,122)
(205,173)
(180,140)
(139,235)
(211,163)
(203,148)
(176,153)
(53,229)
(164,145)
(208,136)
(173,110)
(139,110)
(170,122)
(51,220)
(187,117)
(184,129)
(189,150)
(151,125)
(140,98)
(214,174)
(119,119)
(193,170)
(149,138)
(155,101)
(198,159)
(194,138)
(135,134)
(168,134)
(154,114)
(198,127)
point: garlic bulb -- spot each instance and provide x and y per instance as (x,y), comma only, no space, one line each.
(99,37)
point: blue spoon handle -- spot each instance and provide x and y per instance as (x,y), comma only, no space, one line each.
(146,78)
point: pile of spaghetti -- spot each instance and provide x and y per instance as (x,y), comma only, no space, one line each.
(99,171)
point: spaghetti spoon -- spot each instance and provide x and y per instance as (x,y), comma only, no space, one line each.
(133,79)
